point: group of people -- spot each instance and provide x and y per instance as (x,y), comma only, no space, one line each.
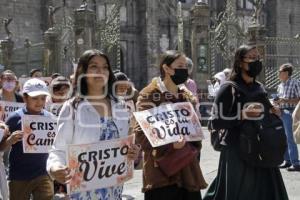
(88,115)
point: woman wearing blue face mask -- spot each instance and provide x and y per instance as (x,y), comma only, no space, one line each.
(186,182)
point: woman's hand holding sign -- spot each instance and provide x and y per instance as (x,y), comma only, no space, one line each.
(179,144)
(61,174)
(133,152)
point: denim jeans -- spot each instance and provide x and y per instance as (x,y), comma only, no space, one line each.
(291,154)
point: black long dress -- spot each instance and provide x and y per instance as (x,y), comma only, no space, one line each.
(236,180)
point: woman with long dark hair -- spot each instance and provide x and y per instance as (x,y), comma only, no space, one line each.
(237,179)
(187,182)
(90,117)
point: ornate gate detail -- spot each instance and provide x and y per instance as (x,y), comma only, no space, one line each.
(279,51)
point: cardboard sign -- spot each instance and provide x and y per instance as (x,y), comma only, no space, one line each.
(39,133)
(8,107)
(54,108)
(99,165)
(169,123)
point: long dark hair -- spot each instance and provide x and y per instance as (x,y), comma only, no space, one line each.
(81,82)
(238,57)
(168,57)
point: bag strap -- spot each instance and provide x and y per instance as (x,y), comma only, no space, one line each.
(233,92)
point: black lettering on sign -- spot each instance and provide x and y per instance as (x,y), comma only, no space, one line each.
(42,126)
(10,108)
(162,131)
(32,140)
(93,163)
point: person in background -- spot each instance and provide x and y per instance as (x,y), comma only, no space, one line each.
(27,172)
(288,97)
(60,92)
(125,88)
(4,133)
(237,179)
(55,75)
(94,120)
(190,84)
(59,89)
(213,88)
(9,84)
(8,93)
(36,73)
(188,181)
(227,72)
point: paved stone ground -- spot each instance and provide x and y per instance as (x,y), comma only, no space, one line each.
(209,165)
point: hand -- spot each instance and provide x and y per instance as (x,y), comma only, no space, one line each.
(253,110)
(276,111)
(180,144)
(6,130)
(281,101)
(61,174)
(133,152)
(15,137)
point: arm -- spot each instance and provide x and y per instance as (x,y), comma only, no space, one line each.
(3,144)
(56,163)
(225,115)
(11,127)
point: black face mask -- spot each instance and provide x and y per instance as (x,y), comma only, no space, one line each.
(254,68)
(180,76)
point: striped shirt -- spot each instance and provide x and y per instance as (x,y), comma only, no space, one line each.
(289,90)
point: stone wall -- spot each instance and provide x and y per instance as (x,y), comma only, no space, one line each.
(26,22)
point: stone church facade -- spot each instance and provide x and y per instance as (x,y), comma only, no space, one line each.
(148,27)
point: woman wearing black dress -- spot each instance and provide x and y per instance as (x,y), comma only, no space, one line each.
(237,180)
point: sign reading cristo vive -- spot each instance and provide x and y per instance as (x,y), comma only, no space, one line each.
(39,133)
(170,122)
(99,165)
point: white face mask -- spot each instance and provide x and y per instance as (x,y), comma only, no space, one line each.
(9,86)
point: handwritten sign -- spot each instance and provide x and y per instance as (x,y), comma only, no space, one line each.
(8,107)
(39,133)
(54,108)
(99,165)
(170,122)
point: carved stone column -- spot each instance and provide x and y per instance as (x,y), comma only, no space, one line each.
(7,47)
(200,16)
(84,30)
(256,36)
(52,56)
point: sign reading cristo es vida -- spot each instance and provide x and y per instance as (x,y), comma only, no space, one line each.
(170,122)
(39,133)
(99,165)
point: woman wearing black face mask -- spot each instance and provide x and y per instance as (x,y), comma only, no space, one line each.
(237,179)
(186,183)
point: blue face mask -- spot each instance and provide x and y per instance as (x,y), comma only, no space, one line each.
(180,76)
